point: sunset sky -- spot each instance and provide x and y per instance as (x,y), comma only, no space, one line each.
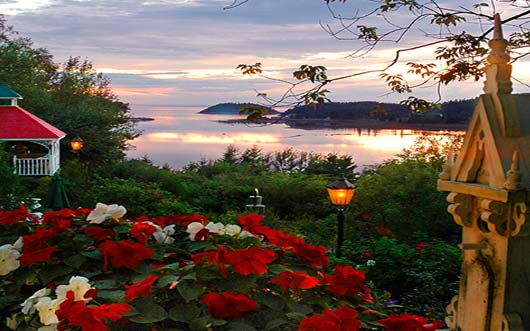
(184,52)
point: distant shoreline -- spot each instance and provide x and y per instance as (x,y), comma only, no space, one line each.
(318,124)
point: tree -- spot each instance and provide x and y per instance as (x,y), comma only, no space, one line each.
(457,35)
(73,97)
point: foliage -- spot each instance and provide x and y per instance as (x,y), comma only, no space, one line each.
(71,271)
(71,96)
(422,277)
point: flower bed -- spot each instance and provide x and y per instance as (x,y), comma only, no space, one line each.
(96,271)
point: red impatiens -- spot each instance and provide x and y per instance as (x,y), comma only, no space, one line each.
(35,247)
(408,322)
(142,231)
(124,253)
(98,233)
(212,257)
(228,305)
(341,319)
(295,281)
(142,288)
(73,313)
(346,281)
(251,261)
(21,214)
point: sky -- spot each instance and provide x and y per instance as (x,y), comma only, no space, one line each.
(185,52)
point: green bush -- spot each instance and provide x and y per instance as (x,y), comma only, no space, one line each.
(423,278)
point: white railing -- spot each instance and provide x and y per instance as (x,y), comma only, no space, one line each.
(33,166)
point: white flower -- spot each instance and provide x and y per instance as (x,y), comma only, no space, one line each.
(216,227)
(18,244)
(232,230)
(246,234)
(103,212)
(79,285)
(27,306)
(46,308)
(163,236)
(370,263)
(193,228)
(8,259)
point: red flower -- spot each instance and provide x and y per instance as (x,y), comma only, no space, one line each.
(315,255)
(295,281)
(140,289)
(183,220)
(38,239)
(98,233)
(346,281)
(76,314)
(124,253)
(342,319)
(214,257)
(142,231)
(407,322)
(250,261)
(283,240)
(420,247)
(21,214)
(251,223)
(228,305)
(50,217)
(41,255)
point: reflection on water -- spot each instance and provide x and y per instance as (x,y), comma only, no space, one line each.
(179,135)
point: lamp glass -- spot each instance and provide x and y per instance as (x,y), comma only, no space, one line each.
(76,144)
(341,196)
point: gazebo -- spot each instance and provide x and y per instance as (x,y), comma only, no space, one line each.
(32,142)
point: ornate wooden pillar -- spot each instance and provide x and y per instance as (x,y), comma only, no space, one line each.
(488,184)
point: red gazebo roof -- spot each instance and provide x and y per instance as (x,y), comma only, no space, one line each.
(17,123)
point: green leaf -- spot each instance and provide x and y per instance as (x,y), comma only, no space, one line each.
(166,280)
(274,302)
(48,274)
(75,261)
(184,313)
(238,326)
(114,296)
(198,245)
(105,284)
(95,254)
(275,323)
(189,290)
(149,312)
(121,229)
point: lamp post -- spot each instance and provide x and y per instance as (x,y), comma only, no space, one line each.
(76,144)
(340,193)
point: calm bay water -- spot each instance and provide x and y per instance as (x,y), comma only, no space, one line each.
(179,135)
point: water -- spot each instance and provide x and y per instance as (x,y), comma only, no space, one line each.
(179,135)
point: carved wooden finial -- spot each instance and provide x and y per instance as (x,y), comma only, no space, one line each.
(498,71)
(513,176)
(498,45)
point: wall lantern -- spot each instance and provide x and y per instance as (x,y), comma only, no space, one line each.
(76,144)
(340,193)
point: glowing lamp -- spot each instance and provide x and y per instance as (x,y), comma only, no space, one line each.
(76,144)
(341,192)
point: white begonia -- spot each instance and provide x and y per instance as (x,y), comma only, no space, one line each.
(79,285)
(193,228)
(18,244)
(9,259)
(103,212)
(370,263)
(232,230)
(46,308)
(216,227)
(163,235)
(27,306)
(246,234)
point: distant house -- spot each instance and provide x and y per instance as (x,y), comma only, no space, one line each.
(32,143)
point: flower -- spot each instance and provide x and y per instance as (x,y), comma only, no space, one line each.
(346,282)
(315,255)
(342,319)
(250,261)
(124,253)
(8,259)
(228,305)
(28,304)
(140,289)
(408,322)
(78,285)
(98,233)
(102,212)
(213,257)
(142,231)
(295,281)
(21,214)
(41,255)
(197,231)
(46,308)
(163,235)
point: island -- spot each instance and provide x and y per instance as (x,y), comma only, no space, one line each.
(230,108)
